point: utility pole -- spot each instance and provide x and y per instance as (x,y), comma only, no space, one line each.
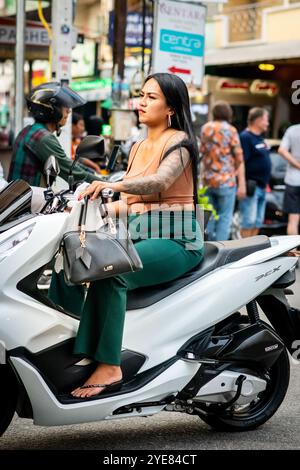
(19,66)
(144,35)
(62,18)
(119,35)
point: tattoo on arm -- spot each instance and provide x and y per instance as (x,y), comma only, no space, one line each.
(168,171)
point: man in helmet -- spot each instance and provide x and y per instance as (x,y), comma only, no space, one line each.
(50,105)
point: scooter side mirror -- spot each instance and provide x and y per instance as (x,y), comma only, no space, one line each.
(112,159)
(51,170)
(92,147)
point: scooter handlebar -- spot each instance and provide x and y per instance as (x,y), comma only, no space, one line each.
(107,193)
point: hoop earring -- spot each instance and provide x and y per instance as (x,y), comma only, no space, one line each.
(169,120)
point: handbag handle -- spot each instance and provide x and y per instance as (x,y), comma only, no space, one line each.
(82,222)
(110,221)
(83,212)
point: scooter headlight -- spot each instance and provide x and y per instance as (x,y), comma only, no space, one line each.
(12,243)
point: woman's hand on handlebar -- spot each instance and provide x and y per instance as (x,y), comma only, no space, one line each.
(94,189)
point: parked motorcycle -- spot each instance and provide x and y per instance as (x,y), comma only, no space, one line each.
(187,346)
(275,222)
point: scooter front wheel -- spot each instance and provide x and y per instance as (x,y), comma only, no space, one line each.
(256,413)
(8,397)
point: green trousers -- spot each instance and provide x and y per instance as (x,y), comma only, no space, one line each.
(69,298)
(102,315)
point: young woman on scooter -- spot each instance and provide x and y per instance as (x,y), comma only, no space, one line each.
(161,181)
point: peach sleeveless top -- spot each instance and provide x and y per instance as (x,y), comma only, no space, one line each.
(179,195)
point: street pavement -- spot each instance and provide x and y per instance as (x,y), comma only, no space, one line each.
(166,431)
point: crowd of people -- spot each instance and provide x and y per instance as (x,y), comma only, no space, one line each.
(239,167)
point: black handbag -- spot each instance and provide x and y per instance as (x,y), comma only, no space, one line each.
(93,255)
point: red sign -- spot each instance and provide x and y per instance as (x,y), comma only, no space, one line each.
(259,87)
(233,86)
(174,69)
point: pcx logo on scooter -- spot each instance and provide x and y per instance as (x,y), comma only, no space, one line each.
(268,273)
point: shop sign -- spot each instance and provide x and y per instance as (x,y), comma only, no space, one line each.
(34,36)
(134,30)
(100,83)
(93,90)
(232,86)
(179,39)
(259,87)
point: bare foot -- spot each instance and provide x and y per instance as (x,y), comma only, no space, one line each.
(103,374)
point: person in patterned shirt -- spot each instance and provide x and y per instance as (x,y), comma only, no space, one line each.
(222,155)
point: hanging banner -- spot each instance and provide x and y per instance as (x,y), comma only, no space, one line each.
(179,31)
(134,30)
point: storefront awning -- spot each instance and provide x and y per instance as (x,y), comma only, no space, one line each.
(256,53)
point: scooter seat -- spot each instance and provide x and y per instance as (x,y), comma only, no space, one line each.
(216,254)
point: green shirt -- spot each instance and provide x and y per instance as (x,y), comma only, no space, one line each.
(33,145)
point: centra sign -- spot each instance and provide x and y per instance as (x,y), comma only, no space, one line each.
(182,43)
(179,39)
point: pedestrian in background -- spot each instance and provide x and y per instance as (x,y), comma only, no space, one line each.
(257,171)
(94,125)
(222,155)
(78,133)
(290,150)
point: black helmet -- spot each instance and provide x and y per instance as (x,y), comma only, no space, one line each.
(45,102)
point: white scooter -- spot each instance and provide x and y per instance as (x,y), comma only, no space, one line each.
(187,347)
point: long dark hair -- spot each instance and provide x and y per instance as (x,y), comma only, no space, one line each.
(176,94)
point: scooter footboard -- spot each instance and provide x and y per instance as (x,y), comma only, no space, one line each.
(284,318)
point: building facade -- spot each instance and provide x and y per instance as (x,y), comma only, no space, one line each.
(254,50)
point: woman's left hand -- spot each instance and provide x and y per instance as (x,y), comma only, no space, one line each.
(94,189)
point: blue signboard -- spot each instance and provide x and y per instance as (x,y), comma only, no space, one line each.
(181,43)
(134,30)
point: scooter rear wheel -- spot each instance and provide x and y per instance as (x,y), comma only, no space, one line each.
(8,397)
(246,418)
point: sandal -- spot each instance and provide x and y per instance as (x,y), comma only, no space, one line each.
(112,387)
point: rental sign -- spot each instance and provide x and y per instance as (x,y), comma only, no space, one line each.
(179,39)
